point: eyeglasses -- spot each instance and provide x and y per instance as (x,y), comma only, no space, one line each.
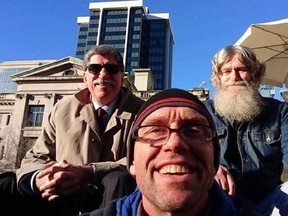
(158,135)
(96,68)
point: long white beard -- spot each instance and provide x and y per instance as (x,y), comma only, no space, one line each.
(239,102)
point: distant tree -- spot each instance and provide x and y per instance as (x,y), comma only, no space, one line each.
(14,150)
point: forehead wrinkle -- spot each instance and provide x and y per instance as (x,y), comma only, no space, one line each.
(153,119)
(166,115)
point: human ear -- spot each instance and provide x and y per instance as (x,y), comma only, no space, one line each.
(85,79)
(132,169)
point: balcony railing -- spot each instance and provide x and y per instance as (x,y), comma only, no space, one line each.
(145,94)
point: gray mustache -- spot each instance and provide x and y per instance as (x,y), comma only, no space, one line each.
(105,81)
(240,83)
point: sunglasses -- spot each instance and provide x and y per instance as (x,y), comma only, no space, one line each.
(96,68)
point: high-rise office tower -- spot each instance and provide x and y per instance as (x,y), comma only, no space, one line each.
(144,39)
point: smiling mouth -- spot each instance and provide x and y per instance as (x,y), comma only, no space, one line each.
(104,83)
(174,169)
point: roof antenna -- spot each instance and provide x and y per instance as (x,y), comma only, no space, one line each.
(202,84)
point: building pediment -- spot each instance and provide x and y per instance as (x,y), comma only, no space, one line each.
(65,68)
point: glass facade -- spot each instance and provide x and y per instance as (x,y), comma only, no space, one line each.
(144,40)
(82,38)
(113,29)
(134,40)
(6,83)
(9,68)
(156,54)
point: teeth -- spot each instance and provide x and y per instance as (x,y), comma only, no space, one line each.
(174,169)
(102,84)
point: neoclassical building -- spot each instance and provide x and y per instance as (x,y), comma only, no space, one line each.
(23,112)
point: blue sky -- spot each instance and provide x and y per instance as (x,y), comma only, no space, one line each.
(48,30)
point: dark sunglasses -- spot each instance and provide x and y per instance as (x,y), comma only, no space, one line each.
(96,68)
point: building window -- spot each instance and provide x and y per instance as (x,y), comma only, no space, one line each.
(35,115)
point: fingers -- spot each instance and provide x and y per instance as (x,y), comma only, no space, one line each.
(53,167)
(231,185)
(50,195)
(221,177)
(50,184)
(224,178)
(53,197)
(49,164)
(49,192)
(63,181)
(222,181)
(65,188)
(58,179)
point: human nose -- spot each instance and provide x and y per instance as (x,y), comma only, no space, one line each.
(235,75)
(103,72)
(175,142)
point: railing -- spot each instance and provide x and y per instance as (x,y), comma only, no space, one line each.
(145,94)
(202,94)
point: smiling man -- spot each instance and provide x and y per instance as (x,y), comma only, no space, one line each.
(173,153)
(78,162)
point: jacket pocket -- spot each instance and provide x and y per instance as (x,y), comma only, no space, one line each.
(268,149)
(268,137)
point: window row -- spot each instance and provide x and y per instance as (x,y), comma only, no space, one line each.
(117,12)
(115,37)
(121,20)
(115,29)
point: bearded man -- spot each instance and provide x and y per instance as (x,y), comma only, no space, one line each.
(252,130)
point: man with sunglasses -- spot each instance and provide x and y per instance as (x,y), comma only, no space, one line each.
(173,152)
(76,165)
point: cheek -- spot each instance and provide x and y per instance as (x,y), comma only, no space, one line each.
(143,155)
(224,79)
(139,158)
(246,77)
(119,78)
(208,151)
(88,79)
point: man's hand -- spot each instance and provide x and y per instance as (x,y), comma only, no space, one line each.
(61,178)
(224,178)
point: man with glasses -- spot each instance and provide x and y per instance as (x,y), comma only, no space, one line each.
(173,152)
(78,163)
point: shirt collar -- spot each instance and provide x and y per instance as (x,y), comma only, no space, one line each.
(108,108)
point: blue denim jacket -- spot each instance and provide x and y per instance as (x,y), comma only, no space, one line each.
(262,146)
